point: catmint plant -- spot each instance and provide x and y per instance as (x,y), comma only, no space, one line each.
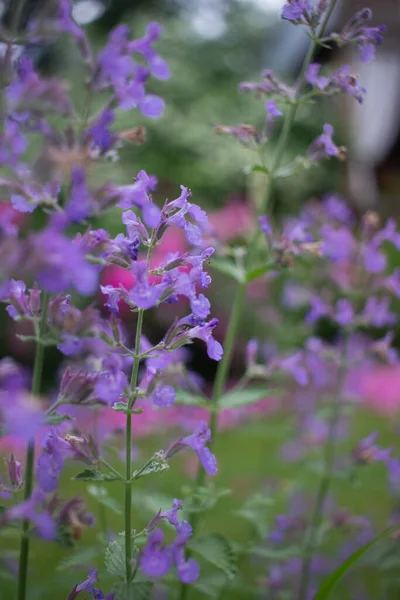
(102,365)
(112,377)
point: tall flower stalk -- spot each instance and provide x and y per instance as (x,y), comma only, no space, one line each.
(30,453)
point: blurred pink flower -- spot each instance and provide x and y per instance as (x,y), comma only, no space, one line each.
(234,219)
(379,388)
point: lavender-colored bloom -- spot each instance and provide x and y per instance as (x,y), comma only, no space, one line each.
(34,510)
(265,225)
(204,332)
(143,294)
(294,10)
(197,441)
(374,259)
(188,571)
(60,263)
(318,309)
(377,312)
(79,206)
(294,365)
(51,461)
(200,306)
(273,111)
(367,451)
(112,381)
(344,312)
(70,345)
(99,133)
(21,415)
(155,560)
(313,78)
(323,146)
(337,244)
(163,395)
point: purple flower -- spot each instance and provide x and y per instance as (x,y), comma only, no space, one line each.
(70,345)
(111,381)
(313,78)
(204,332)
(377,312)
(344,312)
(51,461)
(143,294)
(273,111)
(323,146)
(294,365)
(197,441)
(60,263)
(34,510)
(155,559)
(88,586)
(374,259)
(163,395)
(294,10)
(79,206)
(188,571)
(366,451)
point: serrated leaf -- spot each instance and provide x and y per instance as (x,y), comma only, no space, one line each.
(137,590)
(78,559)
(103,497)
(226,266)
(217,550)
(94,475)
(56,418)
(189,399)
(120,407)
(236,399)
(115,558)
(331,582)
(156,465)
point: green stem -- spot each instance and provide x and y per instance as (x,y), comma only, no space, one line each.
(30,459)
(128,461)
(291,114)
(326,480)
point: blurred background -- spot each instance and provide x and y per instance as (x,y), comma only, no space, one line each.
(211,46)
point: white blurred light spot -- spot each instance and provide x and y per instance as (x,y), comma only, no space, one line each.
(2,8)
(270,6)
(208,22)
(86,11)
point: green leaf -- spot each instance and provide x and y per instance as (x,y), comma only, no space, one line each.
(78,559)
(260,169)
(115,558)
(258,272)
(120,407)
(218,551)
(331,582)
(55,418)
(137,590)
(226,266)
(156,465)
(238,398)
(189,399)
(94,475)
(103,497)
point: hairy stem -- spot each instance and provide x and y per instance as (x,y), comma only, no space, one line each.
(128,460)
(326,480)
(30,458)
